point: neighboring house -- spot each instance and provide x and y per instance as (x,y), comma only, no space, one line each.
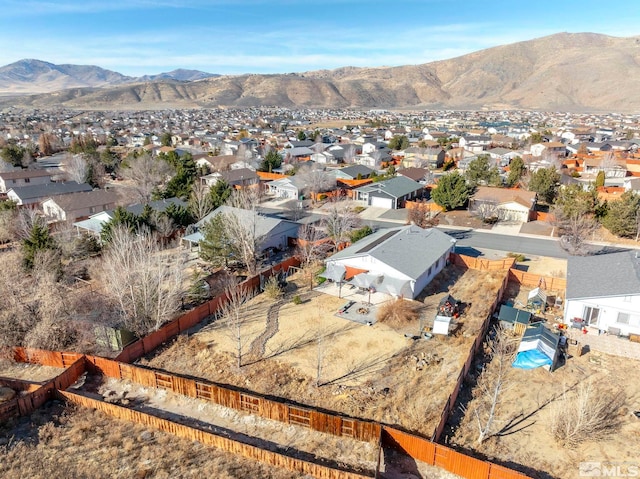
(33,195)
(503,156)
(19,178)
(274,232)
(240,178)
(420,175)
(289,187)
(353,172)
(553,148)
(391,193)
(418,157)
(325,157)
(603,292)
(93,225)
(397,261)
(472,142)
(76,206)
(511,204)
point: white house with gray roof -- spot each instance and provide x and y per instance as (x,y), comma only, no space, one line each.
(391,193)
(397,261)
(603,292)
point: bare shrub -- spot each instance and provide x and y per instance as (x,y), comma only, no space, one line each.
(398,312)
(589,413)
(272,289)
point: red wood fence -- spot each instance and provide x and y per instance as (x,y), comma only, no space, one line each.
(283,461)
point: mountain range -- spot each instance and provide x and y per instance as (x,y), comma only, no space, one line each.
(37,76)
(565,71)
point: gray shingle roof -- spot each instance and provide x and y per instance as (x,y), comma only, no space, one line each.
(49,189)
(613,274)
(396,187)
(408,249)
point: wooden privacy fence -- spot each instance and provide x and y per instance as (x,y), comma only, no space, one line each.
(481,263)
(444,457)
(477,344)
(210,439)
(36,397)
(249,402)
(149,343)
(531,280)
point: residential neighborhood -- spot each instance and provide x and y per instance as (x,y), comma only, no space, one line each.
(333,267)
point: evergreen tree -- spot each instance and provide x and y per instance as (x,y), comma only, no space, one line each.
(271,161)
(39,239)
(219,193)
(516,170)
(452,191)
(216,246)
(399,142)
(480,171)
(600,179)
(623,217)
(545,182)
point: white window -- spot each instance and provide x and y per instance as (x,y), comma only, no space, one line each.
(623,318)
(591,315)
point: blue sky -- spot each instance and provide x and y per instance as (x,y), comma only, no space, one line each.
(138,37)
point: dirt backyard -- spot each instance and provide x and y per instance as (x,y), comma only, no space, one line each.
(534,398)
(265,433)
(27,372)
(374,372)
(59,441)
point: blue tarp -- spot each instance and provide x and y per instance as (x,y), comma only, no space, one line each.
(531,359)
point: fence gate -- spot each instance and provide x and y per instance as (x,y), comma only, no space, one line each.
(164,381)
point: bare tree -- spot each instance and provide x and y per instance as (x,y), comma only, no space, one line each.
(146,173)
(487,210)
(200,202)
(76,167)
(235,315)
(340,221)
(608,163)
(145,282)
(316,179)
(575,230)
(242,227)
(312,244)
(422,215)
(349,153)
(492,384)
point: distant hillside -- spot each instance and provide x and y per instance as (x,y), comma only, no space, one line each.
(180,74)
(29,76)
(573,72)
(35,76)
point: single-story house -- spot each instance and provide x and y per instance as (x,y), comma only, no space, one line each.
(240,178)
(32,195)
(603,292)
(93,224)
(421,175)
(20,177)
(503,156)
(75,206)
(352,172)
(273,232)
(288,187)
(398,261)
(512,204)
(391,193)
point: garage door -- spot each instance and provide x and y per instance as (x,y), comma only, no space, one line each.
(381,202)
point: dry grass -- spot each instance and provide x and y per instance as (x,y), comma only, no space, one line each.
(588,413)
(82,443)
(398,312)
